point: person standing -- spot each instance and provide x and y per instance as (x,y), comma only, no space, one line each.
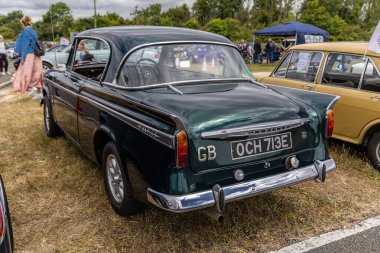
(29,75)
(3,58)
(257,51)
(269,49)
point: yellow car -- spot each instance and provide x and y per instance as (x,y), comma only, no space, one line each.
(344,69)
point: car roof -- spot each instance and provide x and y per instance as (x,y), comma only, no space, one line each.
(345,47)
(127,37)
(122,39)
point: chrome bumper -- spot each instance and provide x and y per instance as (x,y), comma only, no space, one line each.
(206,199)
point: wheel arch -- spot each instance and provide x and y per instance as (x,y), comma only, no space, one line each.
(368,131)
(102,136)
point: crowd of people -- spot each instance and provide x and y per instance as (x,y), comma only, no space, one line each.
(254,52)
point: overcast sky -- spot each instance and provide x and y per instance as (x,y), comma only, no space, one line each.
(84,8)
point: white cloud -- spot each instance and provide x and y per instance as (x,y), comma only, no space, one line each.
(84,8)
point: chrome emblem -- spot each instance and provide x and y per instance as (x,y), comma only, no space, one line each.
(304,135)
(267,165)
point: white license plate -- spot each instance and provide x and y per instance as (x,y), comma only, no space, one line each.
(261,145)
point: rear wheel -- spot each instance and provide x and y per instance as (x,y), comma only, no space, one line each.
(116,183)
(51,128)
(373,150)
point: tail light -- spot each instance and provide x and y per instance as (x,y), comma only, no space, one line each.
(330,123)
(2,228)
(182,149)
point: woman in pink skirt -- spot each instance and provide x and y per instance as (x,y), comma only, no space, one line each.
(29,75)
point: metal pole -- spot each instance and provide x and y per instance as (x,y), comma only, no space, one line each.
(52,33)
(95,13)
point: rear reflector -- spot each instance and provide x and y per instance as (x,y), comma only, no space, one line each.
(330,123)
(182,149)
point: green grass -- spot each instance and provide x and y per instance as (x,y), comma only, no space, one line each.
(261,67)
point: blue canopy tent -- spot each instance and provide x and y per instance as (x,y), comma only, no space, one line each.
(304,33)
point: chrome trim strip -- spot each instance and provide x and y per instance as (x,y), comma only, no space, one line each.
(257,129)
(205,199)
(163,138)
(163,43)
(332,104)
(163,85)
(90,37)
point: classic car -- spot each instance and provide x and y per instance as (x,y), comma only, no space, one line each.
(340,69)
(181,135)
(6,234)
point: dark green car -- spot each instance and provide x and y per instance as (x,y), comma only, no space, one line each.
(182,134)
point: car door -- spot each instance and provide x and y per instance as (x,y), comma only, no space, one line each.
(65,100)
(342,75)
(298,69)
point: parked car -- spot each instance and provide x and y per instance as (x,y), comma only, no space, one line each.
(56,48)
(184,136)
(59,58)
(340,69)
(10,49)
(6,234)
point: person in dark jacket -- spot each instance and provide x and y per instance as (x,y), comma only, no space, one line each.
(269,49)
(257,51)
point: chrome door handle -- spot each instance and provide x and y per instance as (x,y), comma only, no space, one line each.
(307,86)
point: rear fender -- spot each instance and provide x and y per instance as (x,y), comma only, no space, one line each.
(321,102)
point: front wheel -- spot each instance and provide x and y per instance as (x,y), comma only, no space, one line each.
(373,150)
(116,183)
(46,66)
(51,128)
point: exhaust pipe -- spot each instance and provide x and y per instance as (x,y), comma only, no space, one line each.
(217,211)
(214,214)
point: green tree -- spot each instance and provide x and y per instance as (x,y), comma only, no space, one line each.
(192,23)
(10,24)
(218,26)
(177,15)
(61,16)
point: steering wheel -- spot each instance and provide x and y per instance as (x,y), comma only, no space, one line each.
(149,60)
(149,73)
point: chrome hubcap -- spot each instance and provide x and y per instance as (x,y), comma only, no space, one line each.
(47,117)
(45,68)
(378,153)
(115,179)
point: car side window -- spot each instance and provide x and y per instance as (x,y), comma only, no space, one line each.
(90,58)
(281,70)
(343,70)
(371,78)
(303,66)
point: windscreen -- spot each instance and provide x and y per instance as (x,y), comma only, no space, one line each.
(181,62)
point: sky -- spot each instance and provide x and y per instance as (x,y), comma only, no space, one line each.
(84,8)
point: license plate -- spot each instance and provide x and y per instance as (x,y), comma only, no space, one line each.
(261,145)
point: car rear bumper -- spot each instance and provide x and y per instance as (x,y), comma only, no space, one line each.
(217,198)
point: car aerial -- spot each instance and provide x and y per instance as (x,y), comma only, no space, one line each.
(58,58)
(6,234)
(180,135)
(341,69)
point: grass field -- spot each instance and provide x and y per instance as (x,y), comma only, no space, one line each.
(58,203)
(261,67)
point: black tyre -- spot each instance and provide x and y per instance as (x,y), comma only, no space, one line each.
(46,66)
(51,128)
(373,150)
(9,214)
(116,183)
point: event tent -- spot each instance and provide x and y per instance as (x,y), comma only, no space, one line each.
(304,33)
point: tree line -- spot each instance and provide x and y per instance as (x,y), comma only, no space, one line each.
(345,20)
